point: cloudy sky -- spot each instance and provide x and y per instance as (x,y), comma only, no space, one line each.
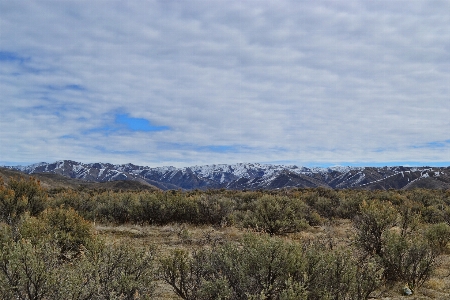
(157,83)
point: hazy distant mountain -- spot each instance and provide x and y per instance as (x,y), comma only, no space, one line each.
(251,176)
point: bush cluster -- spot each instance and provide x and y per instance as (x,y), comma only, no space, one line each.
(275,212)
(262,267)
(394,238)
(156,208)
(53,253)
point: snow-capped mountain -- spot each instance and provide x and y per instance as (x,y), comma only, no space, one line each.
(250,175)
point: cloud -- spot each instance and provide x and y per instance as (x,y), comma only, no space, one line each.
(74,87)
(158,82)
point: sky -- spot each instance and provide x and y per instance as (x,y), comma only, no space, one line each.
(183,83)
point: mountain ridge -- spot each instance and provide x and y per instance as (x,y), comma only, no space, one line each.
(250,176)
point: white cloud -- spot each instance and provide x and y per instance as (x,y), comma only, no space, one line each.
(324,82)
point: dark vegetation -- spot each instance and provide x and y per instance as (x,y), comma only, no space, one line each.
(50,250)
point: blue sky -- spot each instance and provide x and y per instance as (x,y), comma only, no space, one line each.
(157,83)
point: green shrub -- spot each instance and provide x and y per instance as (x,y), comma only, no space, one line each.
(407,259)
(263,267)
(117,207)
(374,219)
(34,271)
(259,268)
(192,276)
(294,291)
(350,204)
(410,215)
(267,264)
(433,214)
(325,201)
(83,203)
(338,274)
(29,271)
(326,207)
(214,209)
(438,236)
(123,272)
(314,219)
(425,197)
(68,229)
(403,252)
(277,215)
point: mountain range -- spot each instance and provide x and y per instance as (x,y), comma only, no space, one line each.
(249,176)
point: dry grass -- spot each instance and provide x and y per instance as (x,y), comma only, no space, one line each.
(166,238)
(169,236)
(338,232)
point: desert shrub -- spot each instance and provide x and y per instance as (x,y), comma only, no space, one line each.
(20,196)
(438,236)
(314,219)
(180,208)
(263,267)
(425,197)
(64,227)
(339,274)
(248,196)
(32,229)
(58,257)
(29,271)
(446,214)
(78,279)
(410,215)
(117,207)
(146,207)
(168,207)
(350,203)
(122,272)
(326,207)
(277,215)
(258,268)
(214,209)
(11,208)
(409,259)
(374,219)
(325,202)
(68,229)
(84,203)
(32,271)
(434,214)
(215,289)
(31,191)
(403,252)
(190,276)
(150,208)
(294,291)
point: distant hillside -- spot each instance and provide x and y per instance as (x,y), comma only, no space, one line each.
(241,176)
(54,181)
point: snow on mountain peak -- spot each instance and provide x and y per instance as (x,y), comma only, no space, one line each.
(234,176)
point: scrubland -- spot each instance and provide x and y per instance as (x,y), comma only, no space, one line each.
(221,244)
